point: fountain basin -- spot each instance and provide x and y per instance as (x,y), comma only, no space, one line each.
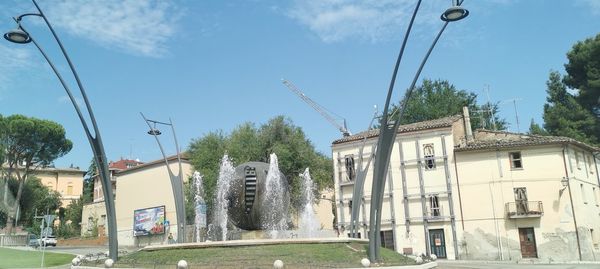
(254,242)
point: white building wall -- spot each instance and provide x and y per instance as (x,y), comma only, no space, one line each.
(487,184)
(434,181)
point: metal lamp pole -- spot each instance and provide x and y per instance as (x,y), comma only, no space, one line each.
(389,128)
(21,36)
(176,180)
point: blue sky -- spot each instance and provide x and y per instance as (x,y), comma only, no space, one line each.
(212,65)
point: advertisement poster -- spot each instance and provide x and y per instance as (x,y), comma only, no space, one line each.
(149,221)
(201,215)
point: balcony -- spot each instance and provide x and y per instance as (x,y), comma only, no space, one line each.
(524,209)
(436,214)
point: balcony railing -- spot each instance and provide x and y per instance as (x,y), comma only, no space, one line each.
(435,214)
(524,209)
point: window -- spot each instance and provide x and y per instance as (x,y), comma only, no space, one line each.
(350,169)
(590,164)
(387,239)
(515,160)
(90,223)
(577,163)
(521,201)
(350,207)
(595,193)
(583,197)
(595,238)
(429,156)
(434,205)
(70,190)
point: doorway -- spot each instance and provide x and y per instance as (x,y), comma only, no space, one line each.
(437,243)
(527,241)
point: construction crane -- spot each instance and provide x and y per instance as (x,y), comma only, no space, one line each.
(322,110)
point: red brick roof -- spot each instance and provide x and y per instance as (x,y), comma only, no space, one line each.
(123,164)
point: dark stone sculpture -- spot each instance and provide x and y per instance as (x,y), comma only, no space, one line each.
(247,206)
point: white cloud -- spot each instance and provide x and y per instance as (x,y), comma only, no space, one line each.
(592,5)
(136,27)
(66,100)
(372,20)
(13,61)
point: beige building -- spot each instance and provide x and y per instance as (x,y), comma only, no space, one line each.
(147,186)
(66,181)
(492,195)
(94,214)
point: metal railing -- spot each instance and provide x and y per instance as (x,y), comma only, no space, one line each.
(13,240)
(524,209)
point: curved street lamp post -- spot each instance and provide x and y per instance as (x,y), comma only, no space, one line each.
(176,180)
(387,135)
(21,36)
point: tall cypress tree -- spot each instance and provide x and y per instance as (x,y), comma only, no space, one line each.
(564,116)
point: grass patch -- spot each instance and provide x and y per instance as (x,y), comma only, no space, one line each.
(12,258)
(330,255)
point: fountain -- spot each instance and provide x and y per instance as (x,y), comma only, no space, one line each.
(275,220)
(222,200)
(200,207)
(252,201)
(308,223)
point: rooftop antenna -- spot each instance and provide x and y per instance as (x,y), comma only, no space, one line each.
(490,110)
(514,101)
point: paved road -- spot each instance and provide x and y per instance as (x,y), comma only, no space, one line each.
(487,265)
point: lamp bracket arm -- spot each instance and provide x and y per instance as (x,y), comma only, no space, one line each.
(66,87)
(18,19)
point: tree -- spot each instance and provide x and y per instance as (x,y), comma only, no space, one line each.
(29,143)
(536,129)
(40,199)
(70,220)
(564,116)
(248,143)
(583,73)
(438,99)
(88,183)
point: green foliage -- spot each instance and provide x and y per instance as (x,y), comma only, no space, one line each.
(438,99)
(33,141)
(564,116)
(37,198)
(66,230)
(2,146)
(536,129)
(28,144)
(12,258)
(324,255)
(248,143)
(188,190)
(583,73)
(88,183)
(73,214)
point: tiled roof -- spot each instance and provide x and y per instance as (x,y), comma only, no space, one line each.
(184,159)
(123,164)
(485,139)
(430,124)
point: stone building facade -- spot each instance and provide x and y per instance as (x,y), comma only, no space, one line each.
(488,195)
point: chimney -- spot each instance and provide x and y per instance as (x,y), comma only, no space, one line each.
(467,120)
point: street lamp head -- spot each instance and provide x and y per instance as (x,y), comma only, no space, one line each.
(454,13)
(154,131)
(17,36)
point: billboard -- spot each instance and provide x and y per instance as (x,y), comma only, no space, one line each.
(149,221)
